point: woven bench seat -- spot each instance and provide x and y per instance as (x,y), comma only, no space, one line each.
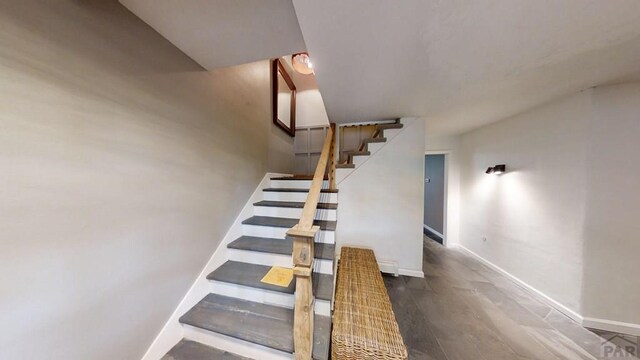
(364,326)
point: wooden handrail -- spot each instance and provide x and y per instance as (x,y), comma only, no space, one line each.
(303,235)
(310,205)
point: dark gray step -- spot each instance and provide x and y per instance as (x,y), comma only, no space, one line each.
(390,126)
(286,223)
(298,190)
(279,246)
(266,325)
(374,140)
(246,274)
(293,204)
(297,177)
(359,153)
(345,166)
(191,350)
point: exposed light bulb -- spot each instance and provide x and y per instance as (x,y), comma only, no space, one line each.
(302,63)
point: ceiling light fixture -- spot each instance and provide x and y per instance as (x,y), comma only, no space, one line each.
(302,63)
(498,169)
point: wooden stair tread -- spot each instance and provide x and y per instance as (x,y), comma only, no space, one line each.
(297,190)
(293,204)
(375,140)
(245,274)
(359,153)
(390,126)
(266,325)
(345,166)
(191,350)
(296,177)
(279,246)
(286,222)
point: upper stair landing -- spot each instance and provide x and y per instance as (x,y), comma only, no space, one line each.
(369,146)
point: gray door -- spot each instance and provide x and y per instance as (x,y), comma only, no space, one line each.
(434,192)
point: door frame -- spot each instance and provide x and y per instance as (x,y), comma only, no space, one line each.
(445,215)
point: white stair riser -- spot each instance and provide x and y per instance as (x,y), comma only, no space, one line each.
(331,198)
(295,184)
(293,213)
(327,237)
(260,258)
(233,345)
(322,307)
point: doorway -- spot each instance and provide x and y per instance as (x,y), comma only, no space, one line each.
(435,196)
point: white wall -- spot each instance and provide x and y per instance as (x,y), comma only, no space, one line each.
(310,109)
(532,216)
(612,225)
(381,201)
(564,218)
(122,165)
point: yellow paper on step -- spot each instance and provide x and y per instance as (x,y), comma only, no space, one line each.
(278,276)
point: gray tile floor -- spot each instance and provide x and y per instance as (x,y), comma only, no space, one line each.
(464,310)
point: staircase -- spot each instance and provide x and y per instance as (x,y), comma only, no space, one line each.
(368,147)
(229,313)
(241,307)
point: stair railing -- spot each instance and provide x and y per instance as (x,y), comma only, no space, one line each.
(303,235)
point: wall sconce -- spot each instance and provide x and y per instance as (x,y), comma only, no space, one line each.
(498,169)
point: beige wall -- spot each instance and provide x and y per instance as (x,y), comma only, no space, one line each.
(122,165)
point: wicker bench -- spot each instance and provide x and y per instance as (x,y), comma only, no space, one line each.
(364,326)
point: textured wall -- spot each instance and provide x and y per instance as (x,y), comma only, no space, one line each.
(122,165)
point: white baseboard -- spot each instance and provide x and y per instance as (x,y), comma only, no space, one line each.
(413,273)
(545,298)
(587,322)
(613,326)
(391,267)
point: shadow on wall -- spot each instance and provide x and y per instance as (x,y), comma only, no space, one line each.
(155,54)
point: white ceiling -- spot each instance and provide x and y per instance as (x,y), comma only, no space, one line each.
(462,64)
(219,33)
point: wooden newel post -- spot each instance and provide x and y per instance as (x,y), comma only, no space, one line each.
(303,241)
